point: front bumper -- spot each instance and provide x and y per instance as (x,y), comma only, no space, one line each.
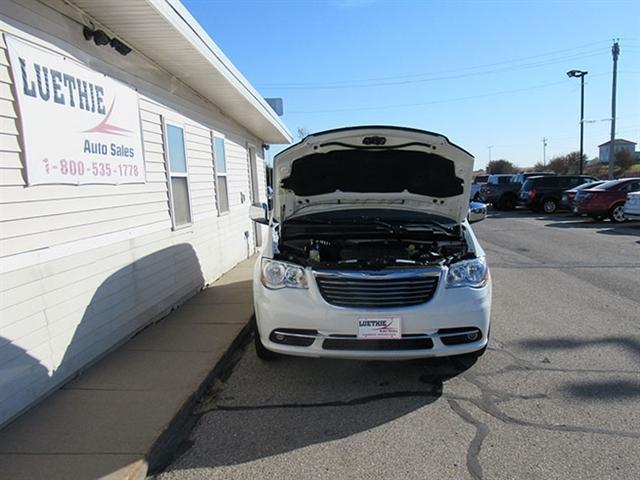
(632,215)
(306,310)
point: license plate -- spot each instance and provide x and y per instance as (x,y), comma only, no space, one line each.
(379,328)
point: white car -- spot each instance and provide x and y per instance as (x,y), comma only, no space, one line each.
(370,254)
(631,208)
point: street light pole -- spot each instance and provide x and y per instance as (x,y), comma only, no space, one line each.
(580,74)
(581,120)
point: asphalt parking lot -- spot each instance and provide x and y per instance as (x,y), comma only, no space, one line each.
(555,397)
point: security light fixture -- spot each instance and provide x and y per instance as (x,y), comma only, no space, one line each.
(101,38)
(120,47)
(576,73)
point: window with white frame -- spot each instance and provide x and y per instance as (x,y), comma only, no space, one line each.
(220,160)
(177,175)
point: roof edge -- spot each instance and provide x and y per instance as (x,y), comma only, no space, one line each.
(178,15)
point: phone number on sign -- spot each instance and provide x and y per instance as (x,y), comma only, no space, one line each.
(96,169)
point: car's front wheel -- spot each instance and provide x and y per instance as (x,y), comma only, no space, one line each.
(468,359)
(549,205)
(617,214)
(507,203)
(261,351)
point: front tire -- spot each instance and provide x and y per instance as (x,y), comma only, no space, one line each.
(469,359)
(261,351)
(616,214)
(507,203)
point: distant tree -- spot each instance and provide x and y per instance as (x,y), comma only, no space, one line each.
(566,164)
(624,160)
(500,166)
(539,167)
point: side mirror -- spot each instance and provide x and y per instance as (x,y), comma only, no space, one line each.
(477,212)
(259,213)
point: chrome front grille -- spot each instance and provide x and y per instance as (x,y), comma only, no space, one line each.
(377,289)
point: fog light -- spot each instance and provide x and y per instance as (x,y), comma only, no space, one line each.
(279,337)
(472,336)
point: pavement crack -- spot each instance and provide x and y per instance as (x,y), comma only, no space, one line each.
(491,397)
(473,451)
(432,394)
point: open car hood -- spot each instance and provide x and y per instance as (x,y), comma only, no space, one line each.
(373,166)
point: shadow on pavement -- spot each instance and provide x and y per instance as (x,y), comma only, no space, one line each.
(121,305)
(607,390)
(297,402)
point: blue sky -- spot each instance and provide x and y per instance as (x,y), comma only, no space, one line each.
(484,73)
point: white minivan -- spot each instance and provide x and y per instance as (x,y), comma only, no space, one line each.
(370,254)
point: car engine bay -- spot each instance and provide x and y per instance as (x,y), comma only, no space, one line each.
(369,245)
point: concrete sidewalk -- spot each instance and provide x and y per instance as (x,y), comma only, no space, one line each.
(107,422)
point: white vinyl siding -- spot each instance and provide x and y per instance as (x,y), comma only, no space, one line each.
(82,268)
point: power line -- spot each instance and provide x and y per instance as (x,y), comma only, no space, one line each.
(402,105)
(475,67)
(434,102)
(446,77)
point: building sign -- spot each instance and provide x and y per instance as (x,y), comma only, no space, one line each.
(78,126)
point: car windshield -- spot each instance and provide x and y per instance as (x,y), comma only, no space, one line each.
(584,186)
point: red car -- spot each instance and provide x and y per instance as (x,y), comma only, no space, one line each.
(606,200)
(566,201)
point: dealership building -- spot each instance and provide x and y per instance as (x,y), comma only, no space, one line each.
(130,151)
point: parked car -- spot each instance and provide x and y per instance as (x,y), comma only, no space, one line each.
(503,195)
(545,193)
(377,266)
(607,199)
(523,176)
(489,192)
(631,208)
(477,183)
(566,201)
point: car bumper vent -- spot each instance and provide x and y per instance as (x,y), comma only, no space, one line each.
(353,343)
(458,336)
(293,336)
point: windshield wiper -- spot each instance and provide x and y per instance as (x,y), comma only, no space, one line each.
(362,221)
(429,226)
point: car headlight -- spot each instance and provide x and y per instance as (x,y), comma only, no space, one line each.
(277,274)
(468,273)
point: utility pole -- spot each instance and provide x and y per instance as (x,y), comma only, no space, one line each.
(544,151)
(490,147)
(615,51)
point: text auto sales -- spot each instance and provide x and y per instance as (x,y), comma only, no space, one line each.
(65,89)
